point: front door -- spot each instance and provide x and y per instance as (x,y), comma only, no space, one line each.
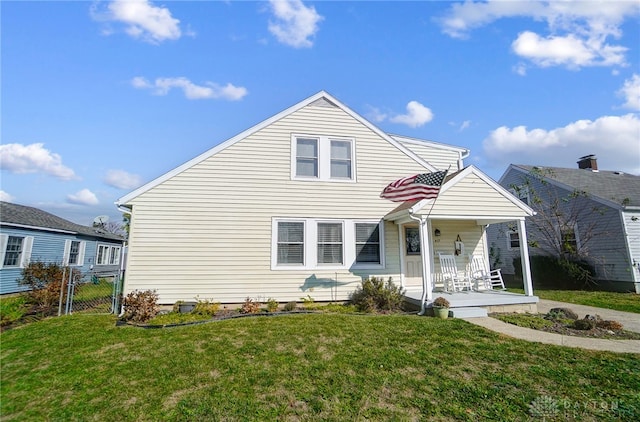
(412,257)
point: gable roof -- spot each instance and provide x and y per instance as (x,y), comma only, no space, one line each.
(321,98)
(28,217)
(414,207)
(614,188)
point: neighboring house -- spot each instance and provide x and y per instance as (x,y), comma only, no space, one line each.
(291,207)
(597,217)
(28,234)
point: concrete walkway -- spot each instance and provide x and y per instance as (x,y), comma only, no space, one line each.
(630,321)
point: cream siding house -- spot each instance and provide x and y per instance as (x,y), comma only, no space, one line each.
(291,207)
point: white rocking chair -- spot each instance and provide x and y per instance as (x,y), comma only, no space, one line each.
(453,281)
(479,274)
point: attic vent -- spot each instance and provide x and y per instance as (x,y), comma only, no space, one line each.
(322,102)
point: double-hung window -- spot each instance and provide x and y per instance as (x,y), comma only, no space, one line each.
(13,252)
(322,158)
(341,159)
(74,252)
(367,237)
(307,157)
(569,239)
(102,257)
(513,239)
(330,245)
(290,242)
(312,243)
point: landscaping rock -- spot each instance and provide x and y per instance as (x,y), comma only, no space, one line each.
(563,313)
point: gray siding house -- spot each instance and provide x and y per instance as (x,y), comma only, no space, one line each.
(29,234)
(584,210)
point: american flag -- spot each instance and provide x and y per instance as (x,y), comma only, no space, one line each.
(418,186)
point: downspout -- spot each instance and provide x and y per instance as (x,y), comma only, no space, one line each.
(423,257)
(125,210)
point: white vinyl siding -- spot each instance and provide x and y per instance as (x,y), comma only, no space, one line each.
(322,158)
(185,238)
(442,157)
(16,251)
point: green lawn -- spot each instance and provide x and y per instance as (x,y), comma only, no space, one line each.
(627,302)
(304,367)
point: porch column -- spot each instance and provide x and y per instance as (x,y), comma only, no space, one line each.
(403,268)
(524,257)
(425,248)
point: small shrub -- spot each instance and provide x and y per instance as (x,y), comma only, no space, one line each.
(290,306)
(206,307)
(584,324)
(250,306)
(441,302)
(561,314)
(307,302)
(609,325)
(374,295)
(272,305)
(45,281)
(140,306)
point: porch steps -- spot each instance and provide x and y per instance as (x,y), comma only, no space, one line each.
(468,312)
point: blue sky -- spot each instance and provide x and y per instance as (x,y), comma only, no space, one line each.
(101,97)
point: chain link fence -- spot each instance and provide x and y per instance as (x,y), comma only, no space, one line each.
(93,294)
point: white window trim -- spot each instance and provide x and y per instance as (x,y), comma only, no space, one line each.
(110,250)
(509,232)
(67,252)
(311,245)
(25,257)
(324,158)
(576,233)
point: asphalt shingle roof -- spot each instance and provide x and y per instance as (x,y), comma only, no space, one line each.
(34,217)
(618,187)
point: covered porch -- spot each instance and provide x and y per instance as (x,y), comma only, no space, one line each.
(454,224)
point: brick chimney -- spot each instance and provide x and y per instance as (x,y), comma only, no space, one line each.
(588,162)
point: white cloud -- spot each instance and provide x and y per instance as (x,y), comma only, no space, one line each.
(577,30)
(122,180)
(376,115)
(464,125)
(141,18)
(33,158)
(417,115)
(630,91)
(4,196)
(613,139)
(210,90)
(83,197)
(295,23)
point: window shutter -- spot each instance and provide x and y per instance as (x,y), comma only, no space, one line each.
(26,251)
(3,248)
(81,253)
(66,253)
